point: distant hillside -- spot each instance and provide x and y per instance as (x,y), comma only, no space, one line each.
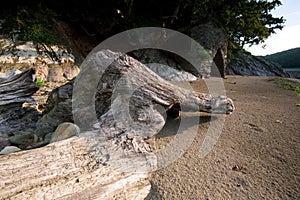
(287,59)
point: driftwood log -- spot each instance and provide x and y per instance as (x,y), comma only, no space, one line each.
(118,108)
(17,89)
(68,170)
(121,96)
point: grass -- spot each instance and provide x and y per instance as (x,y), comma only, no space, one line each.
(289,85)
(39,83)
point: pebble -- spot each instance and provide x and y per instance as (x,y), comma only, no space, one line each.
(9,149)
(64,131)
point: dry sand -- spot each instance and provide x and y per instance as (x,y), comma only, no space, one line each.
(257,156)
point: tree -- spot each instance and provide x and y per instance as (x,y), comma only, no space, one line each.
(245,21)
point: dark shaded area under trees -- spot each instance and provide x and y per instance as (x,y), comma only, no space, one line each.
(245,21)
(90,22)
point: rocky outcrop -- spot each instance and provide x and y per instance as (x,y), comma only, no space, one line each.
(14,52)
(173,67)
(168,66)
(245,64)
(17,88)
(51,62)
(214,40)
(58,110)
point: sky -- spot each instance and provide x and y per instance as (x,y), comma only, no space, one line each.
(288,37)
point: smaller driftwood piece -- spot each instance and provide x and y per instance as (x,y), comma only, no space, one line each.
(18,88)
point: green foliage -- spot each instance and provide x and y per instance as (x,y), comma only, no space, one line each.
(289,85)
(245,21)
(33,25)
(287,59)
(39,83)
(232,56)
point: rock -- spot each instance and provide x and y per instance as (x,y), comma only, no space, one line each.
(168,66)
(41,72)
(8,75)
(58,110)
(247,65)
(17,88)
(214,40)
(70,71)
(18,120)
(48,137)
(9,149)
(64,131)
(4,142)
(40,143)
(24,139)
(51,62)
(31,53)
(56,74)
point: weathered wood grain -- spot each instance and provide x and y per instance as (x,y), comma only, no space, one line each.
(17,88)
(70,169)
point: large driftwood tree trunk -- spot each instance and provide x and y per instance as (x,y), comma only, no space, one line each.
(122,95)
(69,170)
(111,159)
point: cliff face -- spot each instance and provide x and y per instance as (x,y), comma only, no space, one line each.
(244,64)
(208,35)
(214,40)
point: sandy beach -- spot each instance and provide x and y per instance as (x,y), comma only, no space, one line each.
(257,156)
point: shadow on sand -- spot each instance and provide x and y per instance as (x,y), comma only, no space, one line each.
(172,125)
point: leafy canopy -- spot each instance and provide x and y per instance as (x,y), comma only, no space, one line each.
(245,21)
